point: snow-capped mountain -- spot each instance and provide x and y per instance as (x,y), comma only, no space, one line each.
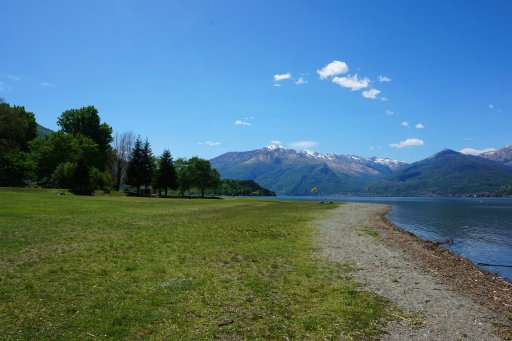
(292,172)
(503,155)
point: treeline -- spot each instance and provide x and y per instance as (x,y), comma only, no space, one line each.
(243,187)
(84,156)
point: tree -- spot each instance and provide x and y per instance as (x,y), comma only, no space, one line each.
(81,178)
(203,175)
(86,122)
(166,176)
(57,149)
(123,144)
(184,175)
(134,169)
(148,164)
(17,128)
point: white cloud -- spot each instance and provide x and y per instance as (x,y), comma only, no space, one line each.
(371,93)
(383,79)
(352,82)
(472,151)
(277,84)
(210,143)
(414,142)
(275,142)
(4,87)
(384,99)
(405,124)
(304,144)
(301,81)
(242,123)
(389,113)
(47,84)
(332,69)
(14,77)
(283,76)
(419,126)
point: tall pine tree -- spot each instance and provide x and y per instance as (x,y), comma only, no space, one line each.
(148,165)
(166,177)
(135,169)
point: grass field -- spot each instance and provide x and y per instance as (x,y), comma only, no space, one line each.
(134,268)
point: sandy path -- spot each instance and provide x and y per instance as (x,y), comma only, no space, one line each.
(350,234)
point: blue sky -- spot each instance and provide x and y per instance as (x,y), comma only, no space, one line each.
(207,77)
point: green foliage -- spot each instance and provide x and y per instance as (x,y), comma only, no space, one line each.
(202,175)
(140,168)
(100,179)
(243,187)
(81,182)
(184,175)
(166,176)
(124,268)
(62,176)
(85,122)
(59,148)
(17,129)
(16,167)
(135,168)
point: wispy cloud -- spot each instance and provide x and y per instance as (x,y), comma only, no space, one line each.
(334,68)
(384,99)
(301,81)
(351,82)
(371,93)
(472,151)
(419,126)
(47,84)
(210,143)
(304,144)
(389,113)
(277,85)
(275,142)
(242,123)
(405,124)
(384,79)
(4,87)
(283,76)
(14,77)
(413,142)
(491,106)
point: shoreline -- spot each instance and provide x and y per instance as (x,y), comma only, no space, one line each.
(453,270)
(442,296)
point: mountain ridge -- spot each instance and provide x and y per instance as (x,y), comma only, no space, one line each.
(295,172)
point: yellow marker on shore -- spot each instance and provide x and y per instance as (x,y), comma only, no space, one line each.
(314,190)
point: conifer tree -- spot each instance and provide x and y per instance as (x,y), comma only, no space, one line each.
(166,176)
(148,165)
(134,170)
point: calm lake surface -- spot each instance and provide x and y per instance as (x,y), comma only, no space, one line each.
(480,228)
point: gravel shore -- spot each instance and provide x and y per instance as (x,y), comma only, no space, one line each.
(405,270)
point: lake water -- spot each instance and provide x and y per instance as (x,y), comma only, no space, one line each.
(481,229)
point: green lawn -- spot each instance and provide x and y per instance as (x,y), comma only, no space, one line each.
(134,268)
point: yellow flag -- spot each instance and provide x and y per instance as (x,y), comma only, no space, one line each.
(314,190)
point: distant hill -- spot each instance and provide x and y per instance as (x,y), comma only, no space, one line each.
(503,155)
(244,188)
(445,173)
(291,172)
(42,131)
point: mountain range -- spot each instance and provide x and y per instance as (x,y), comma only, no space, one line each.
(292,172)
